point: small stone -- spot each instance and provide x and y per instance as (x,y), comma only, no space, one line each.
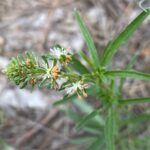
(23,99)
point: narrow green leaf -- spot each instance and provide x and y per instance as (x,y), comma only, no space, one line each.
(126,74)
(106,50)
(134,101)
(88,39)
(20,59)
(136,119)
(84,106)
(93,91)
(79,66)
(45,60)
(123,37)
(87,108)
(95,123)
(86,59)
(71,114)
(110,129)
(132,61)
(23,84)
(97,144)
(65,99)
(90,127)
(87,118)
(43,83)
(82,140)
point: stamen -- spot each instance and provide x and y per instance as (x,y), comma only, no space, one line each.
(55,72)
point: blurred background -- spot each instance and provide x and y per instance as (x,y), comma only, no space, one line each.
(27,119)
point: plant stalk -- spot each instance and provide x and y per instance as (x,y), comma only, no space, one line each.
(110,128)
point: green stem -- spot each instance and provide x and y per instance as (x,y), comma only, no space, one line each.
(110,128)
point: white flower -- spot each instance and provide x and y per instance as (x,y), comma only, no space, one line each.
(78,87)
(61,54)
(56,52)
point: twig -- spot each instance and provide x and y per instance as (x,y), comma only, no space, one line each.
(38,126)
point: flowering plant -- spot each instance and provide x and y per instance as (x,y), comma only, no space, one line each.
(62,70)
(47,71)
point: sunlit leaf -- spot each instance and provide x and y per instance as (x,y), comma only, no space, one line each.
(127,74)
(88,39)
(123,37)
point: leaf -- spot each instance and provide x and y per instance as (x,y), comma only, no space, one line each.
(87,108)
(136,119)
(23,84)
(113,86)
(65,99)
(88,39)
(86,59)
(127,73)
(91,126)
(93,90)
(29,55)
(45,60)
(106,50)
(43,83)
(110,129)
(74,116)
(123,37)
(95,123)
(133,60)
(83,106)
(87,118)
(82,140)
(79,66)
(134,101)
(64,85)
(97,144)
(20,59)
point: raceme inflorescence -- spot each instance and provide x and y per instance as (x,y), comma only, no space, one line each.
(50,70)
